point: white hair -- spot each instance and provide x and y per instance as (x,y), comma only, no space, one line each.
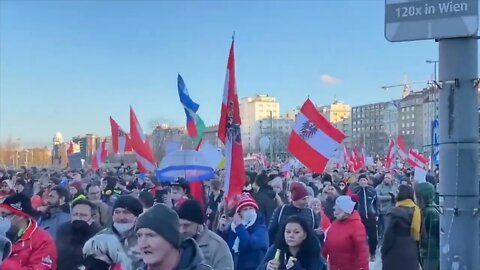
(107,245)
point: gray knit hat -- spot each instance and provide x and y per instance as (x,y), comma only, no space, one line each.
(162,220)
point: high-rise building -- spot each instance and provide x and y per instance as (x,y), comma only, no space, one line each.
(368,127)
(59,154)
(340,115)
(253,109)
(277,131)
(210,135)
(411,124)
(430,109)
(88,145)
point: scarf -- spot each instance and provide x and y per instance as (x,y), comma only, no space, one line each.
(236,243)
(417,218)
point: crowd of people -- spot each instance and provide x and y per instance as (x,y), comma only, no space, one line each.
(115,220)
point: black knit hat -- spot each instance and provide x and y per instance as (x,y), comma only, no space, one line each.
(162,220)
(191,210)
(129,203)
(19,205)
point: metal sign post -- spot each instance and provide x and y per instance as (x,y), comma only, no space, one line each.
(454,23)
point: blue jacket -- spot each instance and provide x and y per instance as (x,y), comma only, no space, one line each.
(253,244)
(52,220)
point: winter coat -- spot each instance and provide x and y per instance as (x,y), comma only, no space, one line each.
(191,257)
(265,198)
(69,245)
(386,197)
(367,205)
(52,220)
(34,250)
(416,219)
(129,243)
(282,213)
(215,250)
(346,244)
(430,231)
(253,244)
(399,248)
(310,261)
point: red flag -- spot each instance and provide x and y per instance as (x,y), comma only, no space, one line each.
(390,157)
(145,159)
(402,148)
(229,132)
(417,160)
(120,139)
(100,156)
(314,139)
(358,159)
(73,148)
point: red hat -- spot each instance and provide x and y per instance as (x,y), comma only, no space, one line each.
(244,200)
(76,184)
(299,191)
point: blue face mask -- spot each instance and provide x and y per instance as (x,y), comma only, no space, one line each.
(5,225)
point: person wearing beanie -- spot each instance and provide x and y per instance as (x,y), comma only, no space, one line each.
(299,207)
(126,211)
(160,243)
(6,189)
(25,232)
(247,236)
(346,239)
(192,225)
(265,196)
(367,208)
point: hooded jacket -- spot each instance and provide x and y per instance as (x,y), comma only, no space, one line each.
(265,198)
(34,250)
(191,257)
(346,244)
(129,243)
(430,232)
(399,248)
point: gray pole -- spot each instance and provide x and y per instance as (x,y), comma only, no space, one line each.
(271,137)
(459,185)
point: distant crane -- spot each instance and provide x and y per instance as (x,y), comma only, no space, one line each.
(406,86)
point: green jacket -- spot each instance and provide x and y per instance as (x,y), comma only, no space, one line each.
(430,232)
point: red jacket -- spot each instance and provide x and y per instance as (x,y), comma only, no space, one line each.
(346,245)
(35,250)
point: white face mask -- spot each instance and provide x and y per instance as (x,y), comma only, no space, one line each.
(123,227)
(249,216)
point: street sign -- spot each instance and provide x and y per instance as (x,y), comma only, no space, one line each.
(407,20)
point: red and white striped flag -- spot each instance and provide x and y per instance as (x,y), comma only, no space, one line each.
(417,160)
(120,139)
(145,158)
(390,157)
(229,132)
(402,148)
(100,156)
(314,139)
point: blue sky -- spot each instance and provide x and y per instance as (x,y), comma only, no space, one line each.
(67,65)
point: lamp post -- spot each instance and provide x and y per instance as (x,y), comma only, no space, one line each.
(434,62)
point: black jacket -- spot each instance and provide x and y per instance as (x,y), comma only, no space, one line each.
(281,214)
(265,198)
(367,206)
(69,245)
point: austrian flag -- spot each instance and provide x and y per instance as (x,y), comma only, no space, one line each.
(314,139)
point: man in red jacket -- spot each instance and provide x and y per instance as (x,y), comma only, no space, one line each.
(33,247)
